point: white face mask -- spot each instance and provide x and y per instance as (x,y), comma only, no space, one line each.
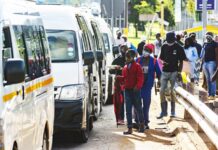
(145,53)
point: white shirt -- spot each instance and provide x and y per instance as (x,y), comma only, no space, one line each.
(157,47)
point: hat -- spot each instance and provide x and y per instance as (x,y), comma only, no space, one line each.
(149,46)
(170,37)
(143,38)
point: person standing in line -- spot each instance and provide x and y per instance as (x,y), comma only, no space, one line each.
(141,45)
(158,43)
(192,56)
(210,63)
(118,87)
(172,56)
(119,40)
(178,40)
(149,66)
(133,79)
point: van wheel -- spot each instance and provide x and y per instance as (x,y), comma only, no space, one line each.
(90,123)
(15,147)
(45,143)
(84,133)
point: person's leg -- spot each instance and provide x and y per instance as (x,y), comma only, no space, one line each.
(206,73)
(172,93)
(146,105)
(211,70)
(138,106)
(122,108)
(128,100)
(163,87)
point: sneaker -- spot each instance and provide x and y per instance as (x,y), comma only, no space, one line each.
(146,127)
(211,98)
(120,122)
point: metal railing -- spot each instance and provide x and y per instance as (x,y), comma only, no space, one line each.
(203,116)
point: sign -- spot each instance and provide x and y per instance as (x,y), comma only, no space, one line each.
(178,10)
(210,5)
(147,17)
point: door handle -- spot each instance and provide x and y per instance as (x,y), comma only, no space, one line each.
(23,92)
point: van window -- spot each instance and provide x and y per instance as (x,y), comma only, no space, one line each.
(63,45)
(32,50)
(7,45)
(98,36)
(106,42)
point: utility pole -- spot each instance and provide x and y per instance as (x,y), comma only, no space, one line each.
(112,15)
(162,18)
(126,17)
(204,18)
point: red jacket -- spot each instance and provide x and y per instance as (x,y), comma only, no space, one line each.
(132,77)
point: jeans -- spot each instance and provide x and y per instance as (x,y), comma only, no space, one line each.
(165,77)
(209,69)
(133,98)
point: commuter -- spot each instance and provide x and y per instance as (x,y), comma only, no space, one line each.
(158,43)
(216,38)
(192,56)
(119,40)
(198,61)
(178,40)
(172,56)
(141,45)
(210,61)
(118,97)
(149,66)
(130,45)
(196,44)
(133,78)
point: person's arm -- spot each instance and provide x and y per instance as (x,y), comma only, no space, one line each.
(157,70)
(140,78)
(182,57)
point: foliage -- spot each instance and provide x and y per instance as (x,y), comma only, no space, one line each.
(191,7)
(144,8)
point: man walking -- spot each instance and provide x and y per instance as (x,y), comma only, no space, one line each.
(172,56)
(132,76)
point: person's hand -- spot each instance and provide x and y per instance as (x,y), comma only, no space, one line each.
(179,77)
(135,89)
(214,77)
(118,67)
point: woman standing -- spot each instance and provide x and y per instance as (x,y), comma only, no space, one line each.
(192,56)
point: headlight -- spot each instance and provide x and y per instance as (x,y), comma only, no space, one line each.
(72,92)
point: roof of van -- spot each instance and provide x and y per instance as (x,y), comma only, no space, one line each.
(58,17)
(19,12)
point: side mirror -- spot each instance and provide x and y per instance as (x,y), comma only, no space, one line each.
(99,55)
(116,50)
(14,71)
(88,58)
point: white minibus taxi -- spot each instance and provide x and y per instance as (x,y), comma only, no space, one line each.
(26,83)
(72,61)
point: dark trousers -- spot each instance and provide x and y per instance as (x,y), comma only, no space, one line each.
(133,98)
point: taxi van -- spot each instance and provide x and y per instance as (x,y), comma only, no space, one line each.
(72,63)
(26,83)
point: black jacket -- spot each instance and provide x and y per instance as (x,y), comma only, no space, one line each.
(140,47)
(120,60)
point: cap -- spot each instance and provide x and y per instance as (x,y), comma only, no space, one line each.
(170,37)
(149,46)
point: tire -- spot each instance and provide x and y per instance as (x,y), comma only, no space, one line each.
(90,123)
(84,133)
(15,147)
(45,143)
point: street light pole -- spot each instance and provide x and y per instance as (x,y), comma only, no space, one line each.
(204,18)
(162,18)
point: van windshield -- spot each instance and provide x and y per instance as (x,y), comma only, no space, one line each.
(63,45)
(106,42)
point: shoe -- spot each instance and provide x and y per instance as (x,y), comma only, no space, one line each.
(135,125)
(141,128)
(129,131)
(120,122)
(211,98)
(146,127)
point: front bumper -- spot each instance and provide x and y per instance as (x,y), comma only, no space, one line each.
(69,115)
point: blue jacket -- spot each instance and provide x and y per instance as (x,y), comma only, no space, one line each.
(152,68)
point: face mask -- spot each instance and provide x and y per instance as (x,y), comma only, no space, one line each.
(145,53)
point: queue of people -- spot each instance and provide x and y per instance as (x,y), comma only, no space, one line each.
(165,59)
